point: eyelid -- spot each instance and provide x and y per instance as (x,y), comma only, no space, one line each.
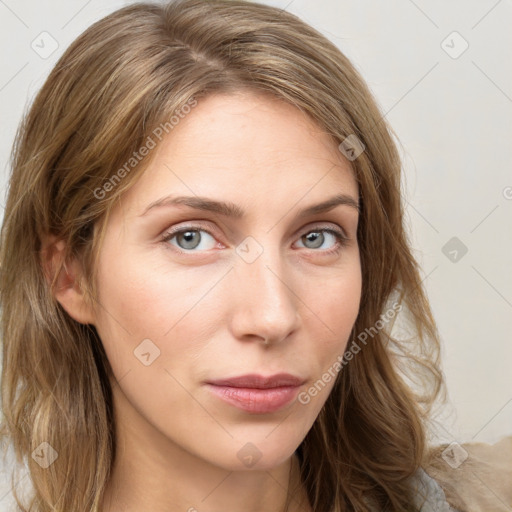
(325,225)
(191,225)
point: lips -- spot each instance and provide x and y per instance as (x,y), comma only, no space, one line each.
(259,382)
(256,393)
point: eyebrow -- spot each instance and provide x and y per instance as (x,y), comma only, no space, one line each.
(229,209)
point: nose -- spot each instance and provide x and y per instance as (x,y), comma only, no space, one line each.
(264,303)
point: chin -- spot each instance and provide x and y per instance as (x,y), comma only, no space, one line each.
(256,453)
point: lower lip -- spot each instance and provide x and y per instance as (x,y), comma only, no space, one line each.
(256,400)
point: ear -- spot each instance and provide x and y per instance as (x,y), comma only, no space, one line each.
(63,276)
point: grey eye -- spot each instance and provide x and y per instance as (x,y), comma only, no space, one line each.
(315,237)
(189,239)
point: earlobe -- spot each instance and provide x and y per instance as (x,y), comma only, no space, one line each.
(63,276)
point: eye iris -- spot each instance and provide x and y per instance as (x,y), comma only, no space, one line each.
(188,238)
(315,236)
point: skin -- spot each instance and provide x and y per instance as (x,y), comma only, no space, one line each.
(209,311)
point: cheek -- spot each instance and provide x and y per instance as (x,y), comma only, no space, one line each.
(330,323)
(141,302)
(329,330)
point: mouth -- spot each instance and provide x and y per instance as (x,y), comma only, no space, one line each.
(256,393)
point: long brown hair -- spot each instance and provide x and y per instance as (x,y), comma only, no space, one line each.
(124,77)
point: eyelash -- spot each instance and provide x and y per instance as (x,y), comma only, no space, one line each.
(341,239)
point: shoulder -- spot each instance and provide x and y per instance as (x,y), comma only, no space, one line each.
(475,477)
(12,474)
(428,494)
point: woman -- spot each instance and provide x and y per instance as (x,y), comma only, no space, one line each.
(203,254)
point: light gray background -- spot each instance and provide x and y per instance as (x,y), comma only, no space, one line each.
(453,116)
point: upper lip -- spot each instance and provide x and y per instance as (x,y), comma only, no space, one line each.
(259,381)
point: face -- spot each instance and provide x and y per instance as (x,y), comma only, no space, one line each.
(194,295)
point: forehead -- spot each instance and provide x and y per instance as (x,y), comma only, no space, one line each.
(252,127)
(245,145)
